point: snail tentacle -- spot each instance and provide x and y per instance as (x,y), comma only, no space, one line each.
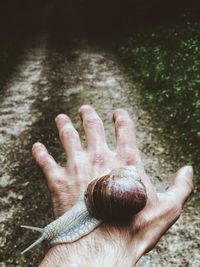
(33,228)
(38,241)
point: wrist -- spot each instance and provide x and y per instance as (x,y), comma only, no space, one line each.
(87,254)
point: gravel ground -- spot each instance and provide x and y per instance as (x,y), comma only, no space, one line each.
(56,77)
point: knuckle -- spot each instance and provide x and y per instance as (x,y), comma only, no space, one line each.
(98,159)
(59,184)
(75,168)
(130,161)
(123,122)
(130,156)
(68,132)
(92,121)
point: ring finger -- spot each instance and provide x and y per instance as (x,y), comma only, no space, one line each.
(126,138)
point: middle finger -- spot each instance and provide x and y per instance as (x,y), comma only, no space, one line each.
(93,128)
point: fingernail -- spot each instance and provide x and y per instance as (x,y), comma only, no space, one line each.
(60,116)
(189,170)
(37,144)
(84,107)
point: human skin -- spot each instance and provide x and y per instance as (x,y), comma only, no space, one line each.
(111,244)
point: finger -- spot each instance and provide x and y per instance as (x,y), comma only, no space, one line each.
(68,135)
(167,209)
(44,160)
(182,186)
(126,137)
(93,128)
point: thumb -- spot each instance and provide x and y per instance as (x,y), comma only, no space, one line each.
(182,185)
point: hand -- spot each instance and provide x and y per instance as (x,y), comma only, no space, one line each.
(109,244)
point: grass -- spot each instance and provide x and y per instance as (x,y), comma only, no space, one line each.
(166,61)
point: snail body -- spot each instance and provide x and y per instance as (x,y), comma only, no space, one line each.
(115,196)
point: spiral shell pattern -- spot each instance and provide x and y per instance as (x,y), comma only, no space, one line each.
(117,195)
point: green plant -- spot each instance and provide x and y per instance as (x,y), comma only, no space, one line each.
(166,60)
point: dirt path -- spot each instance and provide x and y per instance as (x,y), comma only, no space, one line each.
(53,79)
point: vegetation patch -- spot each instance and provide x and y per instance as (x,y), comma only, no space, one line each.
(166,61)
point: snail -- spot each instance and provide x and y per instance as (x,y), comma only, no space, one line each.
(113,197)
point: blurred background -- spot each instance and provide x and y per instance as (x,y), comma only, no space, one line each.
(57,55)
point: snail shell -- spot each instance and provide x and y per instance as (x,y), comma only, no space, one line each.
(115,196)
